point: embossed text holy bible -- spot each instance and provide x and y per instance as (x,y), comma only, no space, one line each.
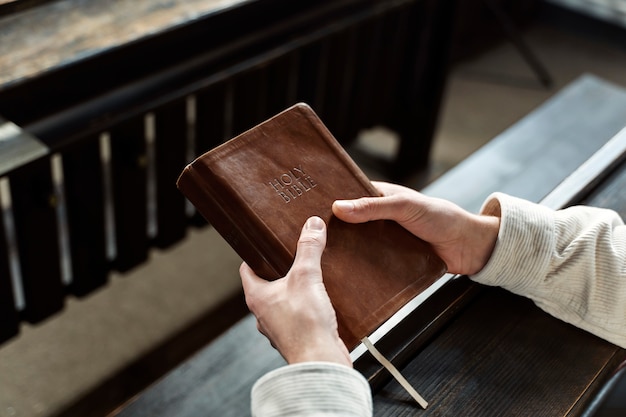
(258,189)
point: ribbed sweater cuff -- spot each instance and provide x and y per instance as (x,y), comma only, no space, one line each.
(312,389)
(524,246)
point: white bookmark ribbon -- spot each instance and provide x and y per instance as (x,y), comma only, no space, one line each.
(394,372)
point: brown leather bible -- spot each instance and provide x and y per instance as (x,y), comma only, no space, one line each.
(258,189)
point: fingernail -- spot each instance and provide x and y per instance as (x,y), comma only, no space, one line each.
(315,223)
(344,205)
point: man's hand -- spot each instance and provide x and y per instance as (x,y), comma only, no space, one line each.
(294,312)
(463,240)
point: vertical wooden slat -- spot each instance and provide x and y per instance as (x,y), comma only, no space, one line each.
(34,211)
(9,321)
(424,76)
(392,30)
(211,109)
(211,117)
(312,63)
(366,83)
(83,179)
(281,84)
(249,99)
(128,165)
(339,85)
(170,159)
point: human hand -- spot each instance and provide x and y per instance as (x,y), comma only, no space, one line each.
(294,312)
(463,240)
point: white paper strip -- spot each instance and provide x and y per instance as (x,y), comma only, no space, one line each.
(394,372)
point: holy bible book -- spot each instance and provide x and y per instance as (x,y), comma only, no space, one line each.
(258,189)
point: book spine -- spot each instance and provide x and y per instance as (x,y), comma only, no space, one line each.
(209,205)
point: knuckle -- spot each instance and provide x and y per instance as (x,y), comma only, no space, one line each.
(251,302)
(310,239)
(368,206)
(305,269)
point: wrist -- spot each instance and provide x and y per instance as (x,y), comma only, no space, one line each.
(484,241)
(321,351)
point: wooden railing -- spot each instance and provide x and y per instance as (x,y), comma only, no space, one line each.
(103,139)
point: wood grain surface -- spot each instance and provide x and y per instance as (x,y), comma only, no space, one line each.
(492,354)
(61,32)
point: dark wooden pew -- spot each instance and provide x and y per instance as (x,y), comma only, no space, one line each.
(106,133)
(469,349)
(498,353)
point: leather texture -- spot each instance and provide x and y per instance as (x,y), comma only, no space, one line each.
(258,190)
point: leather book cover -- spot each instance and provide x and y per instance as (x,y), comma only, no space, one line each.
(258,189)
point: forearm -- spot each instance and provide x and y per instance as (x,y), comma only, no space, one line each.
(571,263)
(313,388)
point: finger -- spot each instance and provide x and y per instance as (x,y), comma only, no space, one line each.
(250,281)
(388,189)
(391,205)
(311,245)
(370,208)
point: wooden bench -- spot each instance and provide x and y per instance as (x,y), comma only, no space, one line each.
(106,134)
(103,106)
(472,350)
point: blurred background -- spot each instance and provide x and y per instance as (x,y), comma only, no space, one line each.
(65,67)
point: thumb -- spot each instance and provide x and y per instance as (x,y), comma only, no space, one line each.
(311,244)
(367,208)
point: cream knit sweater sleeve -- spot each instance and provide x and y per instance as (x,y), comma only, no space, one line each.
(312,389)
(571,262)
